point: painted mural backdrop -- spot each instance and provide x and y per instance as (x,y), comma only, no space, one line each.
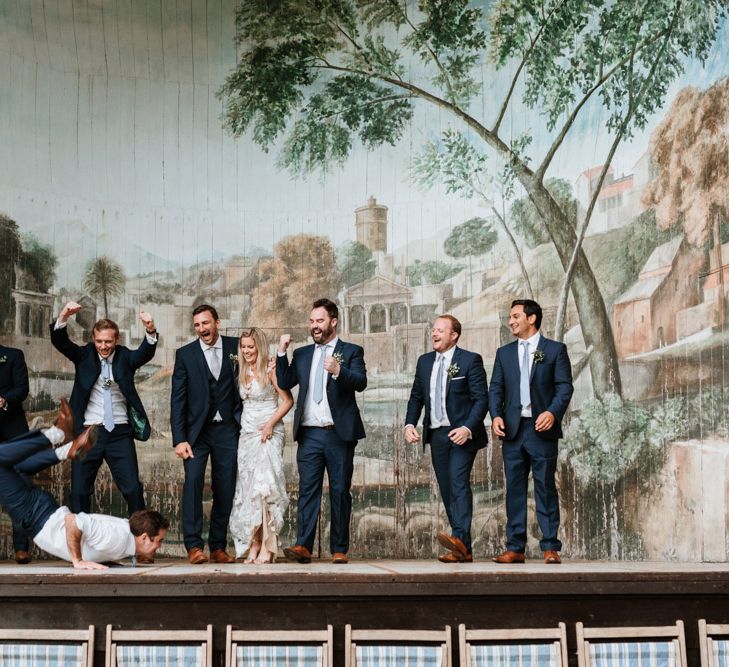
(405,159)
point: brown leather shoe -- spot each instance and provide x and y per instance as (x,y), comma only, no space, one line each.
(455,557)
(338,558)
(64,421)
(552,558)
(22,557)
(298,553)
(196,556)
(509,557)
(453,543)
(83,443)
(219,556)
(145,560)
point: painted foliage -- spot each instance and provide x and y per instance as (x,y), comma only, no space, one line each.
(405,159)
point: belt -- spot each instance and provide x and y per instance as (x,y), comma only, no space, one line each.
(328,427)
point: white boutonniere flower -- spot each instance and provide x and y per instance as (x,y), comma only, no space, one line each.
(339,357)
(3,359)
(233,360)
(452,371)
(538,356)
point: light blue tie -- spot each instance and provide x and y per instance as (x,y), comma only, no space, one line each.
(319,376)
(439,390)
(524,393)
(108,411)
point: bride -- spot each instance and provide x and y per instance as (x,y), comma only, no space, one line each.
(260,492)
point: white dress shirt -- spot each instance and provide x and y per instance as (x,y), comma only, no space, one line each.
(208,354)
(447,359)
(318,414)
(532,343)
(103,538)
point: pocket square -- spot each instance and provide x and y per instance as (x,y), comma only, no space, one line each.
(460,377)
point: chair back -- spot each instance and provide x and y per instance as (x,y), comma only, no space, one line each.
(159,648)
(40,648)
(271,648)
(397,648)
(528,647)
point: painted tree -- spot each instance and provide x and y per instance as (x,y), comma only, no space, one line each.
(355,263)
(104,278)
(343,69)
(38,261)
(431,272)
(303,268)
(10,253)
(472,238)
(526,219)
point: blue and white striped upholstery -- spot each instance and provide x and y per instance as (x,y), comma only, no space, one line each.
(720,652)
(515,655)
(41,655)
(379,655)
(279,655)
(633,654)
(160,655)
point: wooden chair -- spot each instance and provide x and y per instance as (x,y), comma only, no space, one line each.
(36,648)
(714,644)
(397,648)
(159,648)
(636,646)
(530,647)
(268,648)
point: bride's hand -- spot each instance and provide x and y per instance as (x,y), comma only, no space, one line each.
(266,431)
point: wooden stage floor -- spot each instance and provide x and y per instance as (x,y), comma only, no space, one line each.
(368,594)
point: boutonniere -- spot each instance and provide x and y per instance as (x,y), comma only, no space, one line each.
(233,360)
(538,356)
(339,357)
(452,371)
(107,383)
(3,359)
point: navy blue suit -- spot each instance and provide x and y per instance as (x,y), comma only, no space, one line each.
(524,447)
(196,398)
(330,449)
(466,402)
(14,389)
(116,447)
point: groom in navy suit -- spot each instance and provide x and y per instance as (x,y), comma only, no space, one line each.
(327,426)
(450,384)
(205,410)
(531,387)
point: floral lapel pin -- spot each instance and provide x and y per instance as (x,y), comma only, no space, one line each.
(452,371)
(3,359)
(339,357)
(538,356)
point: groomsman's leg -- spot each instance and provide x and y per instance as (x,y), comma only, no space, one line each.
(9,430)
(121,457)
(310,462)
(440,455)
(543,454)
(192,493)
(339,457)
(83,474)
(516,471)
(461,462)
(223,473)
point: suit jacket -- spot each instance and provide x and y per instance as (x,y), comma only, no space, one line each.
(550,386)
(190,398)
(466,396)
(14,389)
(88,368)
(340,392)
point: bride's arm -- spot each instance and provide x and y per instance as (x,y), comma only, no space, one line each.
(285,403)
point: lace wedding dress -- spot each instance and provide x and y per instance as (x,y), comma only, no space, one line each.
(260,491)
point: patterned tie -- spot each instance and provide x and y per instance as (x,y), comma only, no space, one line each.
(214,362)
(319,376)
(439,390)
(108,410)
(524,393)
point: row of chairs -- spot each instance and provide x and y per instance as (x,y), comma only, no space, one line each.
(529,647)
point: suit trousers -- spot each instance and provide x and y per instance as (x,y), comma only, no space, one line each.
(527,451)
(320,449)
(217,441)
(11,428)
(452,465)
(117,448)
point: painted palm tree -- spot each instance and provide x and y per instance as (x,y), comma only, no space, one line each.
(104,277)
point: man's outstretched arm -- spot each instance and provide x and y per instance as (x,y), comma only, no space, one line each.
(73,540)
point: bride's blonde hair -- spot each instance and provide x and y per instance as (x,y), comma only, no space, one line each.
(261,343)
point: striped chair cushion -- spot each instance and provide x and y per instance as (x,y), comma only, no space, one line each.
(380,655)
(720,652)
(277,655)
(160,655)
(633,654)
(41,655)
(518,655)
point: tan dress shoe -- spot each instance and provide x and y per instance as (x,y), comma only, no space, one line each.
(453,543)
(552,558)
(22,557)
(455,557)
(64,421)
(298,553)
(219,556)
(83,443)
(339,558)
(196,556)
(509,557)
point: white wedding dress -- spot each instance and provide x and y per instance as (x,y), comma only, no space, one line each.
(260,491)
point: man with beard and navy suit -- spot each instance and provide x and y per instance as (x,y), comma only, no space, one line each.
(531,387)
(205,411)
(450,385)
(104,393)
(327,426)
(13,391)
